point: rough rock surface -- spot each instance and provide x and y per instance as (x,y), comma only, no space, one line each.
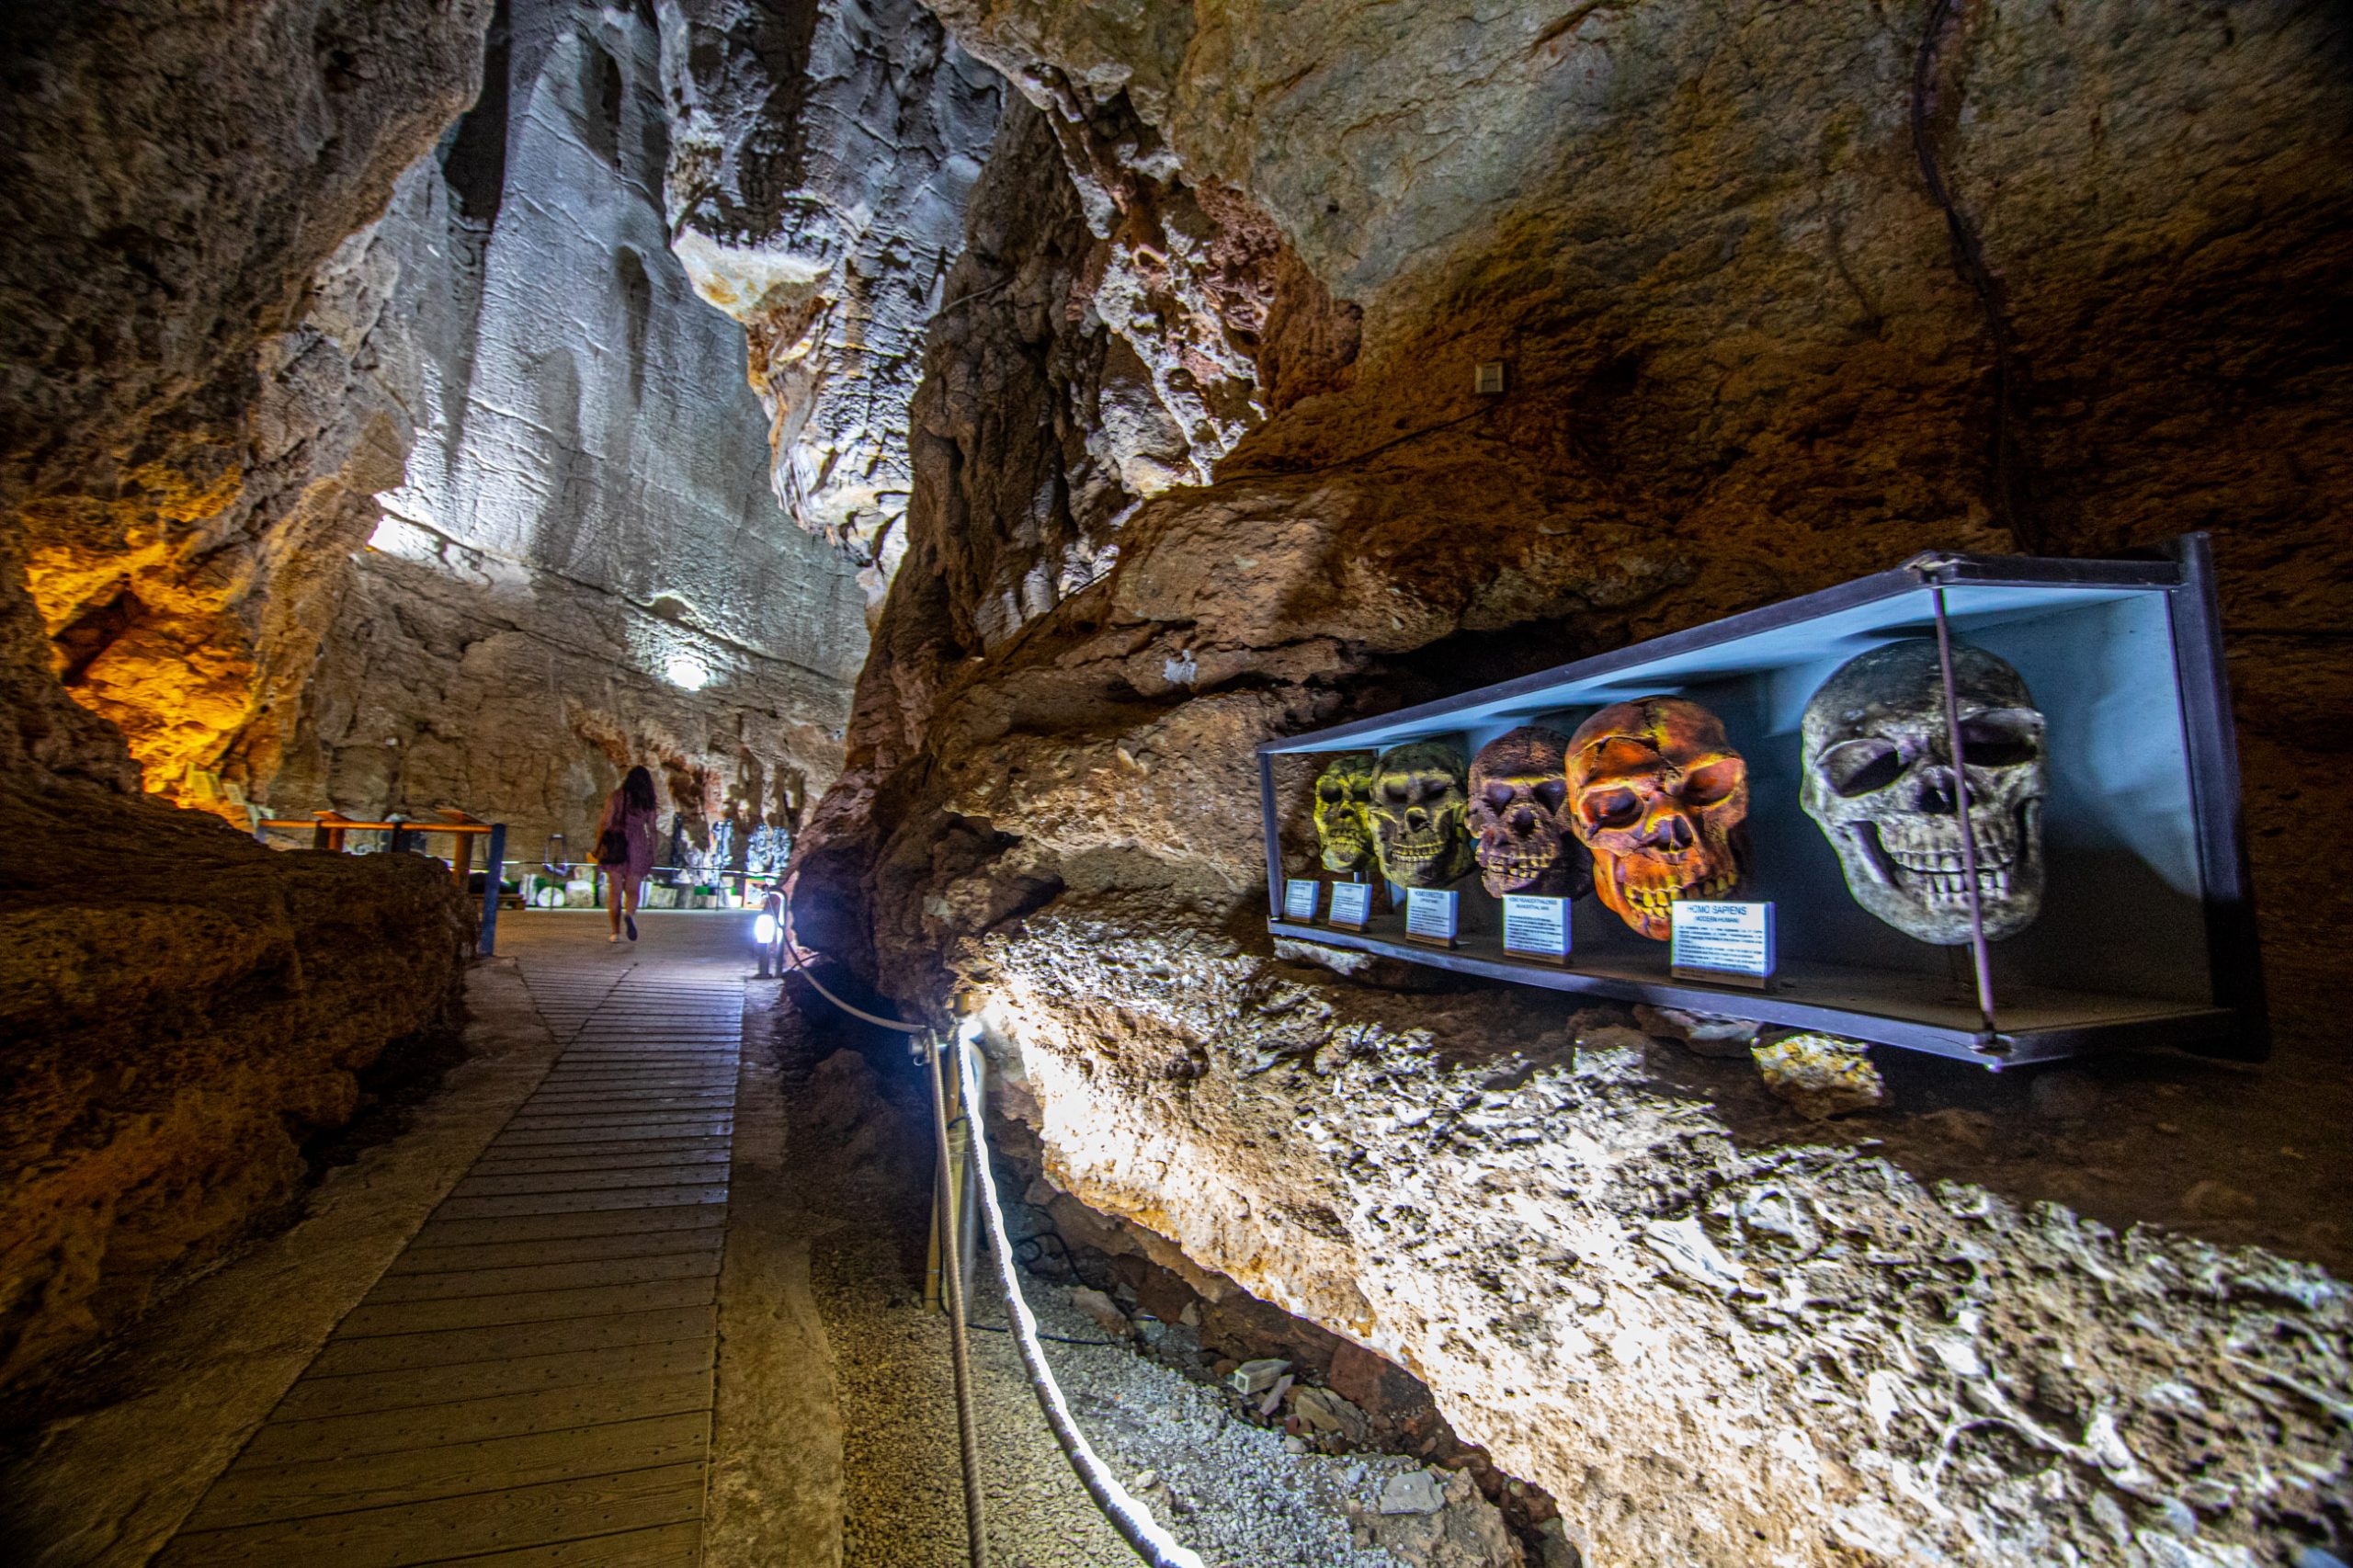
(1749,353)
(583,568)
(174,179)
(820,156)
(183,1008)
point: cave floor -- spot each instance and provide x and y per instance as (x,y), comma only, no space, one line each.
(534,1373)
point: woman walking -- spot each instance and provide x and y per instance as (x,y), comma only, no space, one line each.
(625,848)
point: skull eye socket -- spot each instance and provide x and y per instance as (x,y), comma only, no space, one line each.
(1499,796)
(1397,792)
(2005,737)
(1551,792)
(1860,768)
(1331,792)
(1712,783)
(1612,807)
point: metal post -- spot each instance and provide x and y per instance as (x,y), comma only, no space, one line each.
(400,836)
(952,1279)
(496,862)
(1967,833)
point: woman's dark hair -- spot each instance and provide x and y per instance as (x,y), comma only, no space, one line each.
(637,790)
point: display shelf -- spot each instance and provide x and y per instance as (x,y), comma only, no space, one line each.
(2038,1024)
(2124,659)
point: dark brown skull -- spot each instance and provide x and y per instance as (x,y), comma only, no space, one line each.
(1520,793)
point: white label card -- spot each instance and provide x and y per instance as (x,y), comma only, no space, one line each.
(1536,926)
(1432,914)
(1352,904)
(1298,898)
(1734,939)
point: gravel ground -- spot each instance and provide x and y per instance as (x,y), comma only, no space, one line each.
(1228,1489)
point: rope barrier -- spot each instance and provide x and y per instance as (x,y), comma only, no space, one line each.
(1131,1519)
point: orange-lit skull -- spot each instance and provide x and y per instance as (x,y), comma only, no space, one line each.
(1659,796)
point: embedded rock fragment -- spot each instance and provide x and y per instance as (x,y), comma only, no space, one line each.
(1821,1075)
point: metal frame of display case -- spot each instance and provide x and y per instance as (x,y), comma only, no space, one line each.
(1998,1027)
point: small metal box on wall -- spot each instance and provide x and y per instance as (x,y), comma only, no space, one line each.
(2141,930)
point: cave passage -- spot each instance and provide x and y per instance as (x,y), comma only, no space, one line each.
(1615,731)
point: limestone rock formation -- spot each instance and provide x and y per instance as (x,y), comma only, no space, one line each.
(183,1009)
(1751,348)
(581,568)
(180,1006)
(820,156)
(147,269)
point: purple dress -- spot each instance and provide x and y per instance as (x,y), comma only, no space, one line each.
(638,827)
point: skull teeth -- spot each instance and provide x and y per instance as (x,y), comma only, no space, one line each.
(1658,902)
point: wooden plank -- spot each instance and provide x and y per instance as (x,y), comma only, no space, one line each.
(476,1420)
(585,1273)
(455,1527)
(666,1173)
(601,1145)
(255,1494)
(390,1352)
(370,1320)
(668,1196)
(695,1151)
(627,1101)
(699,1237)
(550,1227)
(670,1546)
(618,1117)
(316,1398)
(704,1126)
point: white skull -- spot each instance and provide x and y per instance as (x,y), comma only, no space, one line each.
(1879,779)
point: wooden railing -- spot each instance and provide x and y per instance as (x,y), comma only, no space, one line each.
(328,830)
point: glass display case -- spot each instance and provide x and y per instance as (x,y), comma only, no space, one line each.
(2078,882)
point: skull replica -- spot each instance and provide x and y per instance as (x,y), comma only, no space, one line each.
(1518,786)
(1659,796)
(1878,777)
(1342,793)
(1416,812)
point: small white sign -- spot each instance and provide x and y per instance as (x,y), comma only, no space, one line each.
(1299,899)
(1352,904)
(1432,914)
(1716,940)
(1536,927)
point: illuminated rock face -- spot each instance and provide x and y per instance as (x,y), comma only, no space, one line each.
(1741,365)
(178,460)
(583,568)
(820,158)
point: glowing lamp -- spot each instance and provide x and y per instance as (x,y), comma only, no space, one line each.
(686,672)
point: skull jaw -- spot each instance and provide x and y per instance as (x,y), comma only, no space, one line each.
(1347,845)
(1933,906)
(1508,868)
(1429,859)
(1647,905)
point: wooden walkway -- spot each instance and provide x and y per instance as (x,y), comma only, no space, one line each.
(531,1382)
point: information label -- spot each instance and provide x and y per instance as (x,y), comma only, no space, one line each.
(1299,899)
(1352,904)
(1536,927)
(1727,942)
(1432,915)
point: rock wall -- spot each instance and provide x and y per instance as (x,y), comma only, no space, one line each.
(1781,298)
(820,156)
(181,1007)
(583,568)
